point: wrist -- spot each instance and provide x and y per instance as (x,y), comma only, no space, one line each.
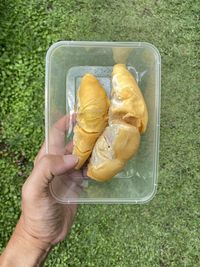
(24,250)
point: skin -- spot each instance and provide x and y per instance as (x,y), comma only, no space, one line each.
(43,222)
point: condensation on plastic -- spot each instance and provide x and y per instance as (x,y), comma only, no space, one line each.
(66,64)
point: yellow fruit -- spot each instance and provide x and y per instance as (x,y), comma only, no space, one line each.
(128,118)
(92,117)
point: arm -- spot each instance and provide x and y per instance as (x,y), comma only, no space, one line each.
(24,250)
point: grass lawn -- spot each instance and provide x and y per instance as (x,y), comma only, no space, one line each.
(165,232)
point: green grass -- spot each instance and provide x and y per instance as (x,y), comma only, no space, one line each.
(164,232)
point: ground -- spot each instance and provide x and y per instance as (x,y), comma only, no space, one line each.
(164,232)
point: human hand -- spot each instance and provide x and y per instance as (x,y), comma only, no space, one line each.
(42,216)
(43,221)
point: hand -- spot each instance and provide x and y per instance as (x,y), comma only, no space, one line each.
(45,222)
(43,217)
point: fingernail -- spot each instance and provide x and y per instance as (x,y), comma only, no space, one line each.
(71,158)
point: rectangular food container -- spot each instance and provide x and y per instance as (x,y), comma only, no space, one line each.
(66,63)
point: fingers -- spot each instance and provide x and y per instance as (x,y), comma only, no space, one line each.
(63,123)
(57,135)
(64,187)
(40,154)
(57,138)
(84,171)
(48,167)
(59,129)
(69,148)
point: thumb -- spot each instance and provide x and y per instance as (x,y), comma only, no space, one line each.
(50,166)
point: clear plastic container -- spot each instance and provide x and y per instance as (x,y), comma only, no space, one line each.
(66,63)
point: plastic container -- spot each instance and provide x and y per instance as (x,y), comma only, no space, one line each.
(66,63)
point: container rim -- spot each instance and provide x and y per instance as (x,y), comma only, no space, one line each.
(145,200)
(58,44)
